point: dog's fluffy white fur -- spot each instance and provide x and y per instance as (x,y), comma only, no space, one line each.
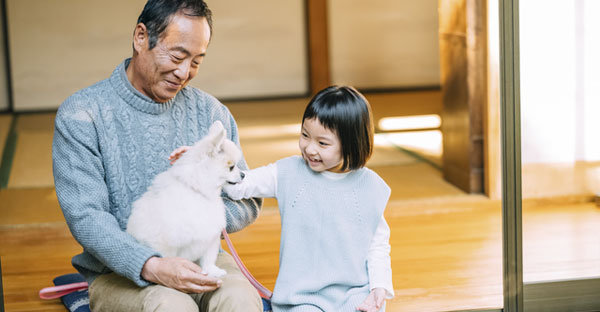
(182,213)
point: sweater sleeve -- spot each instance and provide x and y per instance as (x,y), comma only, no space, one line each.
(259,182)
(79,179)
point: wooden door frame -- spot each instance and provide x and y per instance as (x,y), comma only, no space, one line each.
(319,72)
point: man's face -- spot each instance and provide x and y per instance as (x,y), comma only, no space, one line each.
(163,71)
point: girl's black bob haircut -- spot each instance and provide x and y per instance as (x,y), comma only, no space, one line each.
(346,112)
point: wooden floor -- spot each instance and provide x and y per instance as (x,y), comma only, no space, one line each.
(446,245)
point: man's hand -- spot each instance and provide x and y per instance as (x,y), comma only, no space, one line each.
(374,301)
(177,153)
(180,274)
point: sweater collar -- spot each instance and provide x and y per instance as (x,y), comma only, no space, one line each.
(336,179)
(335,175)
(132,96)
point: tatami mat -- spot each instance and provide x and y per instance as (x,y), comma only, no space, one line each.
(36,122)
(262,152)
(409,170)
(422,145)
(32,160)
(416,181)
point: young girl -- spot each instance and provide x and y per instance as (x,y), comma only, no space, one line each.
(334,253)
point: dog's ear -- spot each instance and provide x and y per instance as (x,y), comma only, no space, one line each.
(216,133)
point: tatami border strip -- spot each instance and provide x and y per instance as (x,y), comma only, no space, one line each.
(9,152)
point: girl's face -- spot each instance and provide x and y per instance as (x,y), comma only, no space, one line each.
(320,147)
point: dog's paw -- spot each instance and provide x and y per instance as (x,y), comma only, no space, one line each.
(215,271)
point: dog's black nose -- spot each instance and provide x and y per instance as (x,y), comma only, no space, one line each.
(242,175)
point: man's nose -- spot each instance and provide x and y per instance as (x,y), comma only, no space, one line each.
(182,72)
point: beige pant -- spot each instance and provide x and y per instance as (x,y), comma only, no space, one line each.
(112,292)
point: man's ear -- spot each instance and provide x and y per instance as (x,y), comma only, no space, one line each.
(140,37)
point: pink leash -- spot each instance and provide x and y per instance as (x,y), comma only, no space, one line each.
(59,291)
(262,290)
(62,290)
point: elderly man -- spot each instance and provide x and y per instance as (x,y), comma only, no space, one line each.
(112,138)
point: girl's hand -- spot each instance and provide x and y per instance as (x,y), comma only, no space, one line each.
(374,301)
(177,153)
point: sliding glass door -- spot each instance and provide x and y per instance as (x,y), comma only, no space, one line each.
(551,155)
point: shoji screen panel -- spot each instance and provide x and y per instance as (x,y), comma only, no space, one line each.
(60,46)
(384,43)
(258,50)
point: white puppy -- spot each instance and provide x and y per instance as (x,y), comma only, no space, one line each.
(182,213)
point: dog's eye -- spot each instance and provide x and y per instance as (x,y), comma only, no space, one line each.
(231,168)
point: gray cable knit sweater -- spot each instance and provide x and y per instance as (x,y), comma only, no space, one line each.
(109,143)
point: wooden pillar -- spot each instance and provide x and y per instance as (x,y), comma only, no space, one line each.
(318,45)
(492,148)
(463,49)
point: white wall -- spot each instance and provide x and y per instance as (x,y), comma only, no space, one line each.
(60,46)
(384,43)
(560,101)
